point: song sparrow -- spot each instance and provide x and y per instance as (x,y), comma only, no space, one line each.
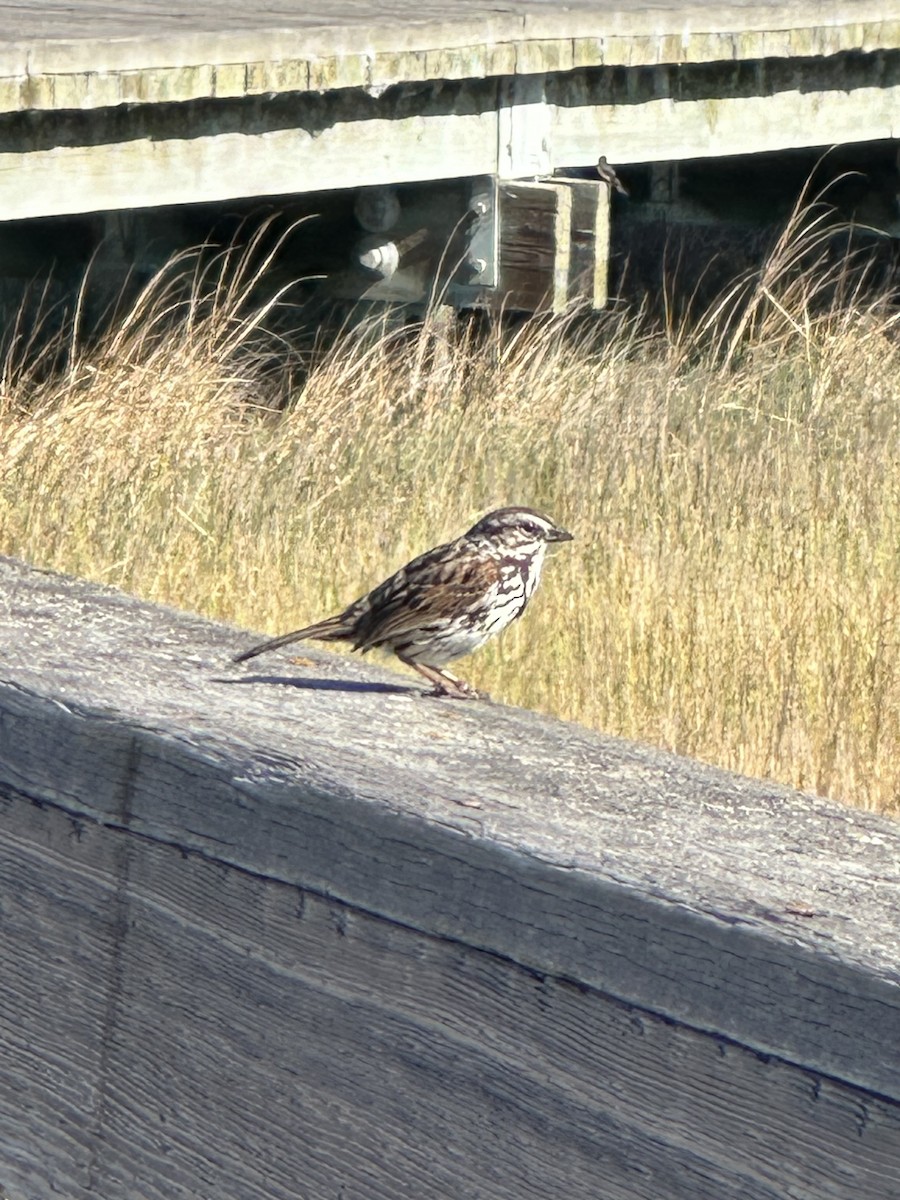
(448,601)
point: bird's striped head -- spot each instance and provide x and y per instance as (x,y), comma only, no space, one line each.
(517,530)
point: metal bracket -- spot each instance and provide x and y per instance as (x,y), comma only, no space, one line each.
(480,266)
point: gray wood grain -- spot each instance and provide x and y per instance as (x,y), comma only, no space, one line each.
(403,20)
(291,930)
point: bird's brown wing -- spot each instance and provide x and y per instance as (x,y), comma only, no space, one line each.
(430,590)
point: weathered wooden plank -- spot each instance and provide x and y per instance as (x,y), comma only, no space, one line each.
(100,53)
(534,246)
(140,173)
(523,128)
(589,244)
(664,130)
(280,950)
(226,1035)
(312,143)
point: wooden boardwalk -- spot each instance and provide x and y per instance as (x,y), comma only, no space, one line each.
(102,52)
(309,96)
(108,107)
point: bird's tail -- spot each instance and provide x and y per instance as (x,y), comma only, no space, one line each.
(332,629)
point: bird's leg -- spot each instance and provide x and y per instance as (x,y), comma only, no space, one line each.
(445,682)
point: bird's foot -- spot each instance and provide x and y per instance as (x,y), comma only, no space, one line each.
(446,684)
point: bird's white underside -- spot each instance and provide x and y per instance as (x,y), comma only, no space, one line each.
(456,641)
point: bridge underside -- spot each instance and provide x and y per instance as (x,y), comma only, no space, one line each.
(494,174)
(139,156)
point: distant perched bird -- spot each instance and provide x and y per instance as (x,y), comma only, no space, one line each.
(609,176)
(448,601)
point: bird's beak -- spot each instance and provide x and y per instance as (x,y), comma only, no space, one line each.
(559,535)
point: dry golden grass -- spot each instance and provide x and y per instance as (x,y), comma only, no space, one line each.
(735,492)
